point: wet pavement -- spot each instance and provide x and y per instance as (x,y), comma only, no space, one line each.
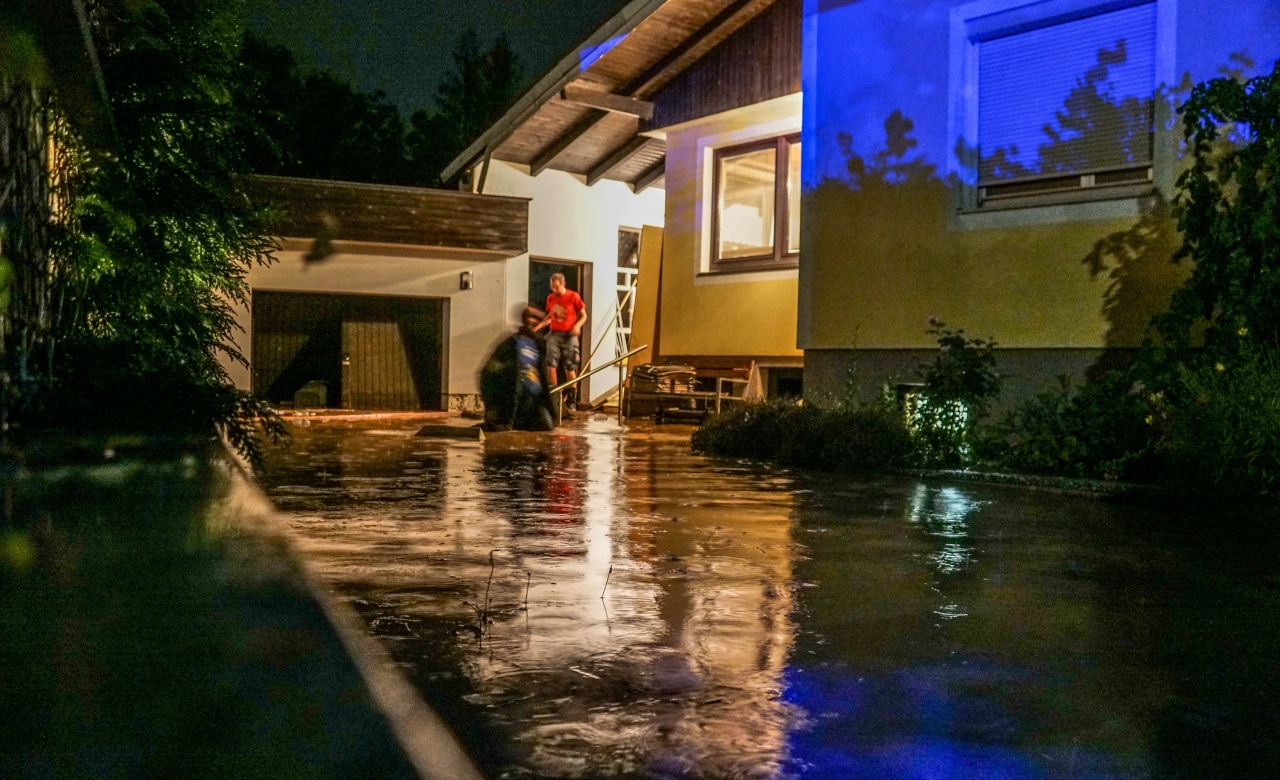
(600,603)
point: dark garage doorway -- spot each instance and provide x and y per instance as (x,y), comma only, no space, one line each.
(375,352)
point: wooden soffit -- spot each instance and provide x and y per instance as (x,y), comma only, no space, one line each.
(589,119)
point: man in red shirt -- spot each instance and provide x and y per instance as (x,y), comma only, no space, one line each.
(566,314)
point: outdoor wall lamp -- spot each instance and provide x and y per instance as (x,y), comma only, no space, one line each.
(464,281)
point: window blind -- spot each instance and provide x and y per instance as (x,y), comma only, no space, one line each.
(1073,97)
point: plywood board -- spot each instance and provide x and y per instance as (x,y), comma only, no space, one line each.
(646,317)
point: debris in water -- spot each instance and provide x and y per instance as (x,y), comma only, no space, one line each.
(584,674)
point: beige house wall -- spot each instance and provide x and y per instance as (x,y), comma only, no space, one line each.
(751,314)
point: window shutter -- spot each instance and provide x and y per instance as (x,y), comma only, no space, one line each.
(1069,98)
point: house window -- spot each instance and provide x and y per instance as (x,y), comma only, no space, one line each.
(1065,107)
(756,223)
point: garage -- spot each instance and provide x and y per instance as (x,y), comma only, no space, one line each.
(371,352)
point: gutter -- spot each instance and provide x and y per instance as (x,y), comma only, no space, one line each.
(547,87)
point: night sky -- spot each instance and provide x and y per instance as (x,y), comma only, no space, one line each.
(402,46)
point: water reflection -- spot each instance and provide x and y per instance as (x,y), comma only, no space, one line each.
(656,629)
(597,604)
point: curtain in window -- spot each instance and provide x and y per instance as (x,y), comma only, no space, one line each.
(1074,97)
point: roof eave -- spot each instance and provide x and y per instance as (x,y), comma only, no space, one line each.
(547,87)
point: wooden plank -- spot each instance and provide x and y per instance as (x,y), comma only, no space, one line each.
(667,38)
(645,317)
(452,432)
(641,162)
(566,140)
(617,159)
(606,101)
(566,70)
(650,176)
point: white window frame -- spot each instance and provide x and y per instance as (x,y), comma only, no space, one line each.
(980,20)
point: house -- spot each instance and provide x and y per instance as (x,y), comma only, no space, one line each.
(648,100)
(394,297)
(1004,166)
(838,172)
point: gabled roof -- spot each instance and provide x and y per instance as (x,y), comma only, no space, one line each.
(586,114)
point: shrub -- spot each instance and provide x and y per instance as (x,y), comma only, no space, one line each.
(959,387)
(1097,429)
(1220,427)
(864,439)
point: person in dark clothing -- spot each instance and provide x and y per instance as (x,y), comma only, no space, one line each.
(513,383)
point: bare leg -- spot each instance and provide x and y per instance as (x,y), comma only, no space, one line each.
(551,376)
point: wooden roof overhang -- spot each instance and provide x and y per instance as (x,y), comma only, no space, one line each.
(589,113)
(443,222)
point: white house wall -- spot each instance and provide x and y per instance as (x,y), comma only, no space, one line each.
(571,221)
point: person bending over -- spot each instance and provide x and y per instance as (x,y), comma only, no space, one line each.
(512,383)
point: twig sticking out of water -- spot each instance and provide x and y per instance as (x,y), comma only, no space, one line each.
(487,586)
(528,580)
(606,581)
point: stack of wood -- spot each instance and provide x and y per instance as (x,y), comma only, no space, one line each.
(649,378)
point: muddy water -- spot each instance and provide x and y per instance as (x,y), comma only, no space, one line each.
(604,604)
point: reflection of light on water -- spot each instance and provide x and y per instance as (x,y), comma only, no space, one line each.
(676,671)
(714,659)
(944,513)
(951,558)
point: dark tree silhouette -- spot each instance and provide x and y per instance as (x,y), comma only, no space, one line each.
(481,86)
(316,125)
(888,165)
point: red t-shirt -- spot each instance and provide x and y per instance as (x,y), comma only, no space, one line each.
(564,310)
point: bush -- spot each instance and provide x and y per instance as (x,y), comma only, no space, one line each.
(959,387)
(864,439)
(1097,430)
(1220,427)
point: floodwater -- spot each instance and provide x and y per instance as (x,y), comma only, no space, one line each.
(600,603)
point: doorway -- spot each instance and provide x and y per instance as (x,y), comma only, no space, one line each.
(577,277)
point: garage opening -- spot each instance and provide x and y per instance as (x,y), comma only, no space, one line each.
(372,352)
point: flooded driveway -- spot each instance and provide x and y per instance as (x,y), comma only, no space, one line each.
(600,603)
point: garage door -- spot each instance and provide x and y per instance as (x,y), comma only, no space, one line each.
(380,353)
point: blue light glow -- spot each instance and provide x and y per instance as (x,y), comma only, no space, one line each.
(588,56)
(936,722)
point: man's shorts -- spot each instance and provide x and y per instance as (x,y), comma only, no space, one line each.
(562,351)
